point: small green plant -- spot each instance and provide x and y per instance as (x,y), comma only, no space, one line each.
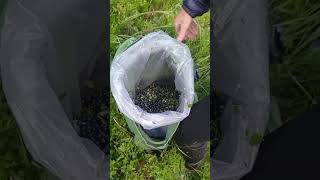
(254,138)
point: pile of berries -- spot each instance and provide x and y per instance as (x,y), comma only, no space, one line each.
(215,133)
(93,121)
(157,97)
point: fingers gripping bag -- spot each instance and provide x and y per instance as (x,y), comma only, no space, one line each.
(154,57)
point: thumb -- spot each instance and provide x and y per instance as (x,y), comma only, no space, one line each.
(183,30)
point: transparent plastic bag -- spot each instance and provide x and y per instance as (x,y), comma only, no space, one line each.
(48,51)
(156,56)
(241,72)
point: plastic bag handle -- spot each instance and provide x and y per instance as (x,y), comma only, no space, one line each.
(126,44)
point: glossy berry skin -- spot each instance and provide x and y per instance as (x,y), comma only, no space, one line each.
(157,97)
(91,124)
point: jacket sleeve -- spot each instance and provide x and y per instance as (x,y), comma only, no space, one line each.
(196,7)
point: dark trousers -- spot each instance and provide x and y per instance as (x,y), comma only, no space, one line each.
(193,133)
(292,151)
(196,127)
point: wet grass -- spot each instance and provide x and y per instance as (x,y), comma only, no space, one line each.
(295,81)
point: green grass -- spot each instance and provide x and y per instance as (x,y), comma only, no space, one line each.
(296,81)
(128,161)
(15,162)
